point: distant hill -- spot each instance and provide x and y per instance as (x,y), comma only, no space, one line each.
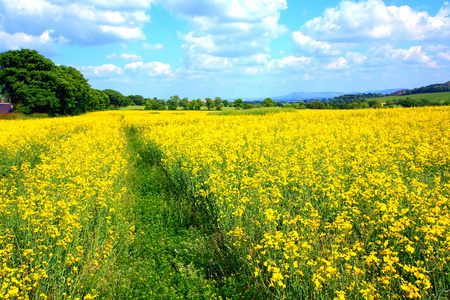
(307,96)
(325,95)
(384,92)
(434,88)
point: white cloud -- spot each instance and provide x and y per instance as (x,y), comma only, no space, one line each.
(411,55)
(44,41)
(124,56)
(444,12)
(356,57)
(207,62)
(107,70)
(155,47)
(118,4)
(444,55)
(338,64)
(288,63)
(308,77)
(373,20)
(80,22)
(252,60)
(387,55)
(151,69)
(228,11)
(306,44)
(435,48)
(223,31)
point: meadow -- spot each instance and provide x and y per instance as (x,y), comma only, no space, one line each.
(442,97)
(317,204)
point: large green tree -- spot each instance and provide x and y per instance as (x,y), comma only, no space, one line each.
(209,103)
(268,102)
(218,103)
(238,103)
(35,84)
(116,98)
(173,102)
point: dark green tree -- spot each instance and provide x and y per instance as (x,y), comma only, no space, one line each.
(184,103)
(116,98)
(209,103)
(218,103)
(152,104)
(136,100)
(36,84)
(29,80)
(268,102)
(162,104)
(316,105)
(72,90)
(237,103)
(98,99)
(172,103)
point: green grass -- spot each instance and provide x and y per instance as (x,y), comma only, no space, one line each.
(176,253)
(254,111)
(430,96)
(21,116)
(133,107)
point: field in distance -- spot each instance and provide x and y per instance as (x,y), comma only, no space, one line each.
(429,96)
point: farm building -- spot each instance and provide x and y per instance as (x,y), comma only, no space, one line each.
(5,107)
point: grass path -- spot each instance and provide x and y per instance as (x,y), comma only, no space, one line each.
(175,254)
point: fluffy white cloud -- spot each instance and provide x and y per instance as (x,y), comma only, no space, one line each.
(107,70)
(444,12)
(411,55)
(338,64)
(444,55)
(155,47)
(226,34)
(207,62)
(288,63)
(80,22)
(388,56)
(124,56)
(152,69)
(232,10)
(18,40)
(370,34)
(306,44)
(373,20)
(118,4)
(356,57)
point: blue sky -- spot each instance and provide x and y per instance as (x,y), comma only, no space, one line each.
(236,48)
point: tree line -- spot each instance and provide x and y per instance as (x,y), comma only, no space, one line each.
(175,101)
(433,88)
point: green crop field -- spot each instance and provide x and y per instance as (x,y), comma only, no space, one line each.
(133,107)
(430,96)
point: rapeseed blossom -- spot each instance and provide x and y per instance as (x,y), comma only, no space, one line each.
(334,204)
(314,204)
(63,205)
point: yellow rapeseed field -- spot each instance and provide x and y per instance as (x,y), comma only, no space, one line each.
(62,208)
(321,204)
(314,204)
